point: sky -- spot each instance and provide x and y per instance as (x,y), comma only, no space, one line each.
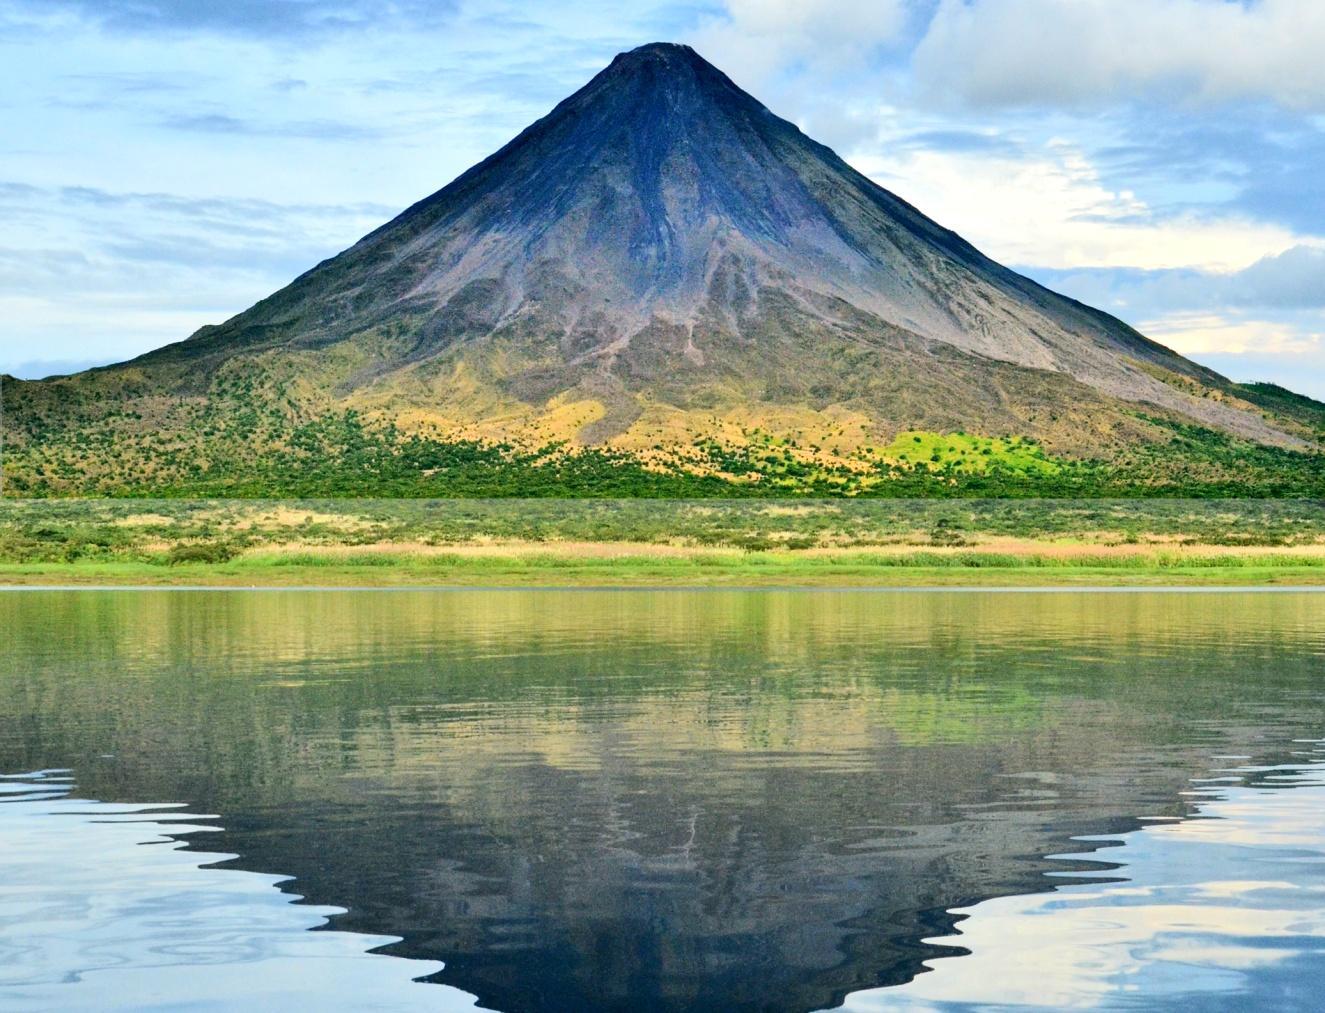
(164,164)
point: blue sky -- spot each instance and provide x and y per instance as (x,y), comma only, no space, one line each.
(166,163)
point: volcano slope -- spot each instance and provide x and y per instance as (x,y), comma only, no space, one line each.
(661,288)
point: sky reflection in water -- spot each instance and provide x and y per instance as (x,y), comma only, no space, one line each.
(102,908)
(1222,911)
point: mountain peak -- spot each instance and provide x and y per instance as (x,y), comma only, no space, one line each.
(660,59)
(660,249)
(664,67)
(665,52)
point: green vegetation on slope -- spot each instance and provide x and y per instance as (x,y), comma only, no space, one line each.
(236,451)
(1283,402)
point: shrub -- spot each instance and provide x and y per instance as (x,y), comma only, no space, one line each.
(200,552)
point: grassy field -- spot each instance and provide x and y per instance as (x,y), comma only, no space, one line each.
(662,543)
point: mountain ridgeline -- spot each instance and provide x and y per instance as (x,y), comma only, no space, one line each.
(662,288)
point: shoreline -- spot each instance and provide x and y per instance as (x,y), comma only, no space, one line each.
(377,569)
(865,589)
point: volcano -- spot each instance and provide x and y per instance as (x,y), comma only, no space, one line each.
(662,263)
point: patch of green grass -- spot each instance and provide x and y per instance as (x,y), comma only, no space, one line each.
(345,560)
(964,453)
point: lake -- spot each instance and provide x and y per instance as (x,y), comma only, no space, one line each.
(630,800)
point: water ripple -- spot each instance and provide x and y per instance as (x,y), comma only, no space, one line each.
(1222,911)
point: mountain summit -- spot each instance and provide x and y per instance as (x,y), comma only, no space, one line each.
(662,263)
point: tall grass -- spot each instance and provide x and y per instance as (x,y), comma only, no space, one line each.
(770,560)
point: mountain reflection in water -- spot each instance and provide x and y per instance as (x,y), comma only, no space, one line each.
(680,801)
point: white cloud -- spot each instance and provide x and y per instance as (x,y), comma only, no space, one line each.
(755,38)
(1289,352)
(1292,279)
(1050,209)
(837,22)
(95,276)
(1010,52)
(1209,334)
(46,336)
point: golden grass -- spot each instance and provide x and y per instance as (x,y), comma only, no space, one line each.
(1083,553)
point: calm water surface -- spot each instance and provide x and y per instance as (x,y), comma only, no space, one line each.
(529,801)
